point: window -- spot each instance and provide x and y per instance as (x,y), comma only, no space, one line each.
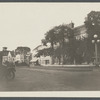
(46,62)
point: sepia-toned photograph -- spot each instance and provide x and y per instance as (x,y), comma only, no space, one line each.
(49,47)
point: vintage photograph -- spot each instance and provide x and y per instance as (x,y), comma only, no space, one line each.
(49,47)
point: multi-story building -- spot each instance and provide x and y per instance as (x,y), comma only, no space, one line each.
(80,32)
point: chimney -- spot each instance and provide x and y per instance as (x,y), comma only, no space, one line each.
(71,25)
(4,48)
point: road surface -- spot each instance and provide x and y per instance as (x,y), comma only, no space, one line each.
(46,79)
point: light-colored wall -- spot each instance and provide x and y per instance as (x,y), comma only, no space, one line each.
(43,59)
(8,58)
(19,58)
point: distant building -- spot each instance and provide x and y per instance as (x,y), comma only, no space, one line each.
(19,58)
(34,52)
(43,60)
(7,55)
(80,32)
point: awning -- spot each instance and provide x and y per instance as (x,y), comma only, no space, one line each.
(33,60)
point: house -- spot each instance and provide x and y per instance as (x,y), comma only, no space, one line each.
(19,58)
(34,52)
(43,60)
(7,55)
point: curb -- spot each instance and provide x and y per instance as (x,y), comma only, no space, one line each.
(70,66)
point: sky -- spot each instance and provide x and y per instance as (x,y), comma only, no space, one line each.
(24,24)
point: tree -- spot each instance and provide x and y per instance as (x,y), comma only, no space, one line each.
(58,52)
(64,36)
(61,36)
(92,24)
(51,38)
(44,52)
(22,50)
(80,51)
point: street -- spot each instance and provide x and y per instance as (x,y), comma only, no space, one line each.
(49,79)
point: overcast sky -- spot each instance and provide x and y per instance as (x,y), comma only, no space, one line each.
(24,24)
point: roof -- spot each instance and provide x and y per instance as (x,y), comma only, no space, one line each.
(37,47)
(12,53)
(79,30)
(5,53)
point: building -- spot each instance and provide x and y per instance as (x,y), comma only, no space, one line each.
(19,58)
(80,32)
(42,60)
(7,55)
(34,52)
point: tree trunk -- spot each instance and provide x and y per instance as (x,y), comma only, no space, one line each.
(52,53)
(63,51)
(52,59)
(59,60)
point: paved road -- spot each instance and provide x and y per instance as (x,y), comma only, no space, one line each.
(46,79)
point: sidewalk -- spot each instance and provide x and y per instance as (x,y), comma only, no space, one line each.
(71,66)
(66,67)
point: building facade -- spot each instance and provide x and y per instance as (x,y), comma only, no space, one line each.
(7,55)
(42,60)
(80,32)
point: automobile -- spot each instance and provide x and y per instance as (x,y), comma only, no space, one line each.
(7,70)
